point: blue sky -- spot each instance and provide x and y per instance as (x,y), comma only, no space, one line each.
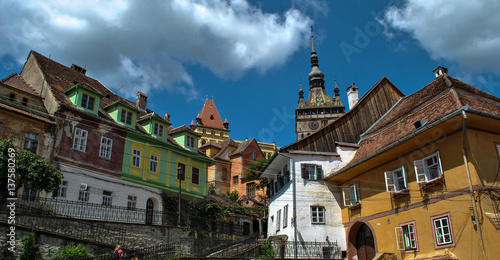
(250,56)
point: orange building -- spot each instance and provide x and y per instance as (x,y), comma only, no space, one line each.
(424,183)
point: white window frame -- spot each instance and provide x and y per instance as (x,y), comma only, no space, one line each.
(106,147)
(351,195)
(278,220)
(131,202)
(423,170)
(107,198)
(30,141)
(126,117)
(313,172)
(318,215)
(285,216)
(84,195)
(80,139)
(153,163)
(440,232)
(85,103)
(136,158)
(158,129)
(63,189)
(392,180)
(406,237)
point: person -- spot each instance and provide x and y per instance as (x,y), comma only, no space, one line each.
(118,253)
(134,258)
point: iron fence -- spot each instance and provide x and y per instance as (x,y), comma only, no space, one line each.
(306,249)
(90,211)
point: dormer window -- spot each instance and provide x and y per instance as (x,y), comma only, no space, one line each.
(158,130)
(25,102)
(126,117)
(88,102)
(12,97)
(190,141)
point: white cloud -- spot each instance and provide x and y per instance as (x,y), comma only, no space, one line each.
(462,31)
(149,46)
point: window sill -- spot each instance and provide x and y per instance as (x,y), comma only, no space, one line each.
(355,207)
(399,194)
(426,185)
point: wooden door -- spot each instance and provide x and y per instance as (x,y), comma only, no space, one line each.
(365,244)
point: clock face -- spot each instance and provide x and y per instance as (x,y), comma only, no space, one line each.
(313,125)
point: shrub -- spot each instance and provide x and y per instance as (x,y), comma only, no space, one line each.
(30,250)
(71,252)
(266,250)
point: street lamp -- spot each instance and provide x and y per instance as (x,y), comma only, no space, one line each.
(180,174)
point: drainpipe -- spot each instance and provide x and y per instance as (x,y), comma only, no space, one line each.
(473,200)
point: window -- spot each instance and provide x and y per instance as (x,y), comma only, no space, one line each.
(317,215)
(351,195)
(158,130)
(251,189)
(395,180)
(443,233)
(285,216)
(235,179)
(153,163)
(278,220)
(311,171)
(196,176)
(12,97)
(190,141)
(224,173)
(498,145)
(131,202)
(428,168)
(254,155)
(107,199)
(106,146)
(80,140)
(88,102)
(25,102)
(406,236)
(83,194)
(182,175)
(126,117)
(136,158)
(63,188)
(30,141)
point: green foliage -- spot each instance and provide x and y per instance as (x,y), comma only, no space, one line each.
(174,257)
(254,169)
(30,169)
(266,250)
(71,252)
(30,250)
(211,189)
(233,196)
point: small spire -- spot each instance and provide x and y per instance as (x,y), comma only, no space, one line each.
(336,89)
(312,40)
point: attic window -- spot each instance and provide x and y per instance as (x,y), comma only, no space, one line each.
(25,102)
(212,117)
(12,97)
(420,123)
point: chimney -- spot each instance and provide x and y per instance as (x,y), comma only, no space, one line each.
(142,100)
(79,69)
(352,95)
(167,116)
(440,71)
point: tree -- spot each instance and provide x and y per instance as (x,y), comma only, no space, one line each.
(30,250)
(254,169)
(29,169)
(71,252)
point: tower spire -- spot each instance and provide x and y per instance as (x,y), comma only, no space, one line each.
(312,41)
(315,76)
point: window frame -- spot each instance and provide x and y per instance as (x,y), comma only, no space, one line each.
(254,155)
(63,189)
(251,189)
(106,147)
(285,216)
(236,179)
(158,129)
(349,192)
(402,239)
(391,180)
(153,161)
(136,158)
(278,220)
(30,142)
(86,98)
(422,172)
(318,214)
(189,141)
(195,175)
(80,140)
(307,175)
(126,117)
(84,195)
(438,245)
(107,198)
(131,202)
(498,150)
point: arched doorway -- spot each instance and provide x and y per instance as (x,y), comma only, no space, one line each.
(149,212)
(365,245)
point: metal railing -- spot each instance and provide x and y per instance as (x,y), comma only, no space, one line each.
(324,250)
(90,211)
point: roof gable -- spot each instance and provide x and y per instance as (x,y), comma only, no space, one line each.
(210,116)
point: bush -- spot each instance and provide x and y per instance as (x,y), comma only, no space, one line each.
(30,250)
(266,250)
(71,252)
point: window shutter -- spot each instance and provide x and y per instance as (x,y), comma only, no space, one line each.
(439,162)
(420,171)
(399,238)
(404,176)
(389,182)
(303,170)
(319,172)
(354,193)
(347,196)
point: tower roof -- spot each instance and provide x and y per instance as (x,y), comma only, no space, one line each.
(210,116)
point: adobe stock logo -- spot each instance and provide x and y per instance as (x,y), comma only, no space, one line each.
(362,37)
(277,124)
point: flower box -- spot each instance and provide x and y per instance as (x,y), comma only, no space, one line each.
(435,182)
(354,207)
(401,193)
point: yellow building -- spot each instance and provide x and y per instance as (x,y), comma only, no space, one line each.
(424,182)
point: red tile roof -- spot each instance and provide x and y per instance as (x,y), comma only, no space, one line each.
(210,115)
(17,82)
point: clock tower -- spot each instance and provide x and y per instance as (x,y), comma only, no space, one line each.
(319,109)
